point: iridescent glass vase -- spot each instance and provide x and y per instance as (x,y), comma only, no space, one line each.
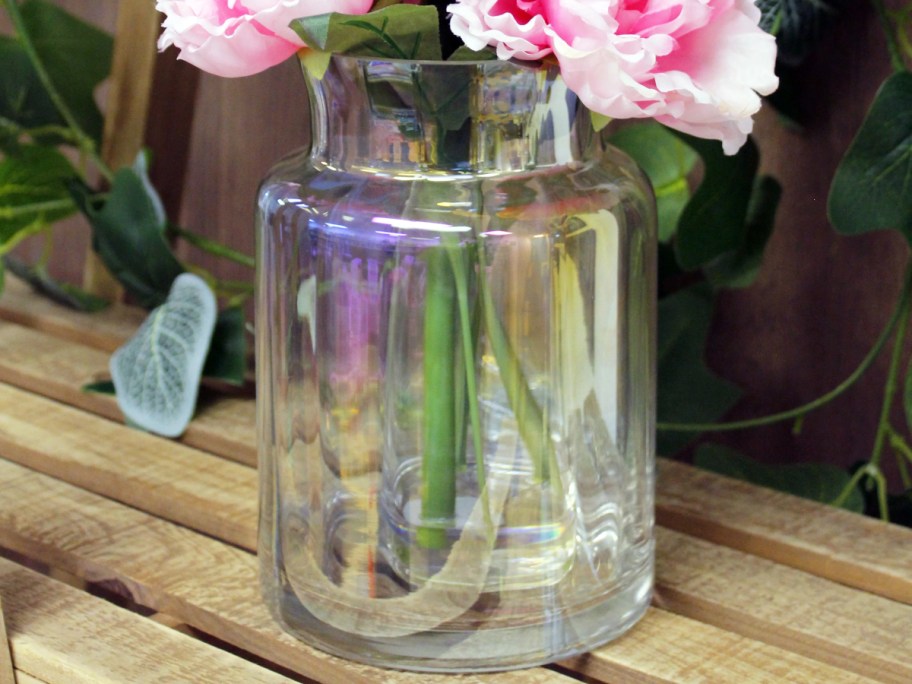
(455,371)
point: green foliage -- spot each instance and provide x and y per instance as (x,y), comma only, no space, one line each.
(713,222)
(77,57)
(797,24)
(668,162)
(872,189)
(395,32)
(33,193)
(24,103)
(128,237)
(688,391)
(818,481)
(60,292)
(101,387)
(227,358)
(739,268)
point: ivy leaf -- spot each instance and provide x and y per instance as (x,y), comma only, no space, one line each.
(227,358)
(394,32)
(821,482)
(157,372)
(76,55)
(740,267)
(23,99)
(688,391)
(872,189)
(128,235)
(33,193)
(667,161)
(713,222)
(56,290)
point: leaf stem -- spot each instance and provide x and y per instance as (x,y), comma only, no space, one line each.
(798,412)
(86,144)
(213,247)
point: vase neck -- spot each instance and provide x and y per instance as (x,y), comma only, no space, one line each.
(445,117)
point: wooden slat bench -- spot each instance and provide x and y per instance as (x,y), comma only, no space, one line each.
(130,558)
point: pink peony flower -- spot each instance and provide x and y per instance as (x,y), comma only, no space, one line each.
(694,65)
(235,38)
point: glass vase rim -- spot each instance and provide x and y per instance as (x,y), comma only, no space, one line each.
(531,65)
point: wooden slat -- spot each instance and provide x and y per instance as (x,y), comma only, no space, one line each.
(59,368)
(64,636)
(105,330)
(842,546)
(665,648)
(210,585)
(784,607)
(7,673)
(167,479)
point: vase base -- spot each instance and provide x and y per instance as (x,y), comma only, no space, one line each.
(564,634)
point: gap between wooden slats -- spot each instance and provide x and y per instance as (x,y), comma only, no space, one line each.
(63,636)
(214,587)
(59,369)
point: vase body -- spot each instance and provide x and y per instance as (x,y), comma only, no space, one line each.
(455,371)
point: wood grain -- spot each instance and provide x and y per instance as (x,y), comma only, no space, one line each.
(58,369)
(828,542)
(7,672)
(664,648)
(210,585)
(64,636)
(176,482)
(784,607)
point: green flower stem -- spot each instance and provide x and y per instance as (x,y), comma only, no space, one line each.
(529,416)
(86,144)
(438,465)
(871,471)
(460,273)
(800,411)
(903,454)
(213,247)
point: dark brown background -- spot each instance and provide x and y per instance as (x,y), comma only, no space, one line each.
(819,302)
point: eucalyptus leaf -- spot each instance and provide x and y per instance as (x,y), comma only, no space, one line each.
(668,162)
(740,267)
(76,55)
(56,290)
(227,357)
(157,372)
(394,32)
(872,189)
(821,482)
(33,193)
(688,392)
(128,237)
(713,222)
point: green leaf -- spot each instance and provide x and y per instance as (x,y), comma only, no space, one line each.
(33,193)
(227,358)
(667,161)
(23,99)
(101,387)
(740,267)
(394,32)
(713,222)
(817,481)
(60,292)
(76,55)
(466,54)
(128,237)
(157,371)
(688,391)
(872,189)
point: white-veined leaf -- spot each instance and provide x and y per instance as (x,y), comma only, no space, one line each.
(157,372)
